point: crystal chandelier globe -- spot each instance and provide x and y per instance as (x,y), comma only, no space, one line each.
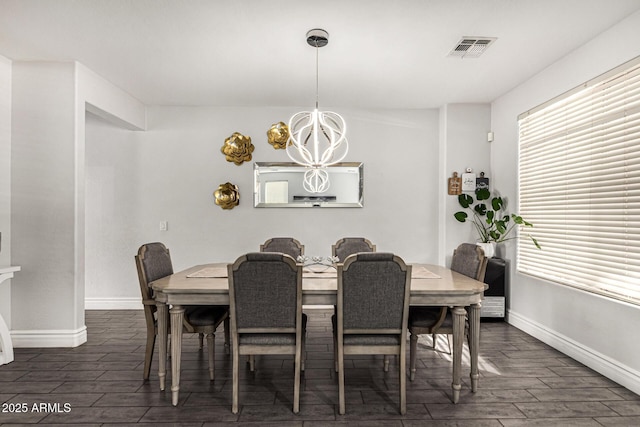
(317,138)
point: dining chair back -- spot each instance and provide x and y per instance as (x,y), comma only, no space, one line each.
(285,245)
(468,259)
(153,262)
(265,294)
(351,245)
(372,312)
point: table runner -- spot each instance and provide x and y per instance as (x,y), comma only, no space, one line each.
(210,272)
(419,272)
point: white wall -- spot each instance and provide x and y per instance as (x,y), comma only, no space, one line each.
(5,184)
(168,173)
(112,188)
(464,143)
(42,190)
(47,195)
(597,331)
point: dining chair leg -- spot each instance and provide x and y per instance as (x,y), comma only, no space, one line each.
(212,353)
(227,336)
(341,397)
(403,383)
(335,354)
(413,349)
(303,353)
(386,363)
(148,354)
(201,340)
(236,362)
(296,380)
(252,363)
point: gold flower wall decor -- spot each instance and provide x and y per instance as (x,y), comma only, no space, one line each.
(227,195)
(278,135)
(237,148)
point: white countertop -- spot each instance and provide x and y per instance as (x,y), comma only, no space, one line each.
(9,269)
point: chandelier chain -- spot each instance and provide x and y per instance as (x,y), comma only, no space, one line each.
(317,77)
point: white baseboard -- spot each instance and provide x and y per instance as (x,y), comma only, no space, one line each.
(603,364)
(113,304)
(49,338)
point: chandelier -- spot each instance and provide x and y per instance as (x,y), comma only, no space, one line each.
(317,138)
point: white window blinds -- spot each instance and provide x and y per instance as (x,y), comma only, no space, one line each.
(580,186)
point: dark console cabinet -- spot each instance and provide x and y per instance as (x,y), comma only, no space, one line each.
(493,304)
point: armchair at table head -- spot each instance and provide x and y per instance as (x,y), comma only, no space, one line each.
(468,259)
(351,245)
(153,262)
(285,245)
(372,311)
(265,294)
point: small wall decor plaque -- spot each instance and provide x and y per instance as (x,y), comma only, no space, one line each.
(455,184)
(278,135)
(482,182)
(237,148)
(468,181)
(227,195)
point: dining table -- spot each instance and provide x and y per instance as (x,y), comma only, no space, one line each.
(207,284)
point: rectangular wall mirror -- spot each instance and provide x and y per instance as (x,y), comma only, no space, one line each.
(280,185)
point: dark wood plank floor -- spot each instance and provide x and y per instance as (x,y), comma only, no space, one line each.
(523,383)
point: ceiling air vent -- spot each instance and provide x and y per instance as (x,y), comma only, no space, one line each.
(471,47)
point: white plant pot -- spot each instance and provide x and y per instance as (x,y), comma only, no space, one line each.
(489,249)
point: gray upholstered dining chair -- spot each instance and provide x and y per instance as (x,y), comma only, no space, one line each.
(265,294)
(351,245)
(372,312)
(468,259)
(153,262)
(285,245)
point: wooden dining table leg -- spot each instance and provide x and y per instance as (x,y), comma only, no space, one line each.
(459,315)
(163,313)
(177,316)
(474,343)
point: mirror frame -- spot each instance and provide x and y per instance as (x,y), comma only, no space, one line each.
(258,167)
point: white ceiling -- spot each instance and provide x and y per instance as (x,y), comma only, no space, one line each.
(381,54)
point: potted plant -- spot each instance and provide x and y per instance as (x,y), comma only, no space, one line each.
(490,219)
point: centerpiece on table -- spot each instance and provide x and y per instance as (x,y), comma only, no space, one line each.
(490,219)
(318,264)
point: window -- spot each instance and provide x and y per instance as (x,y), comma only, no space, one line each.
(580,186)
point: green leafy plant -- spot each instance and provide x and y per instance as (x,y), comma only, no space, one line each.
(489,217)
